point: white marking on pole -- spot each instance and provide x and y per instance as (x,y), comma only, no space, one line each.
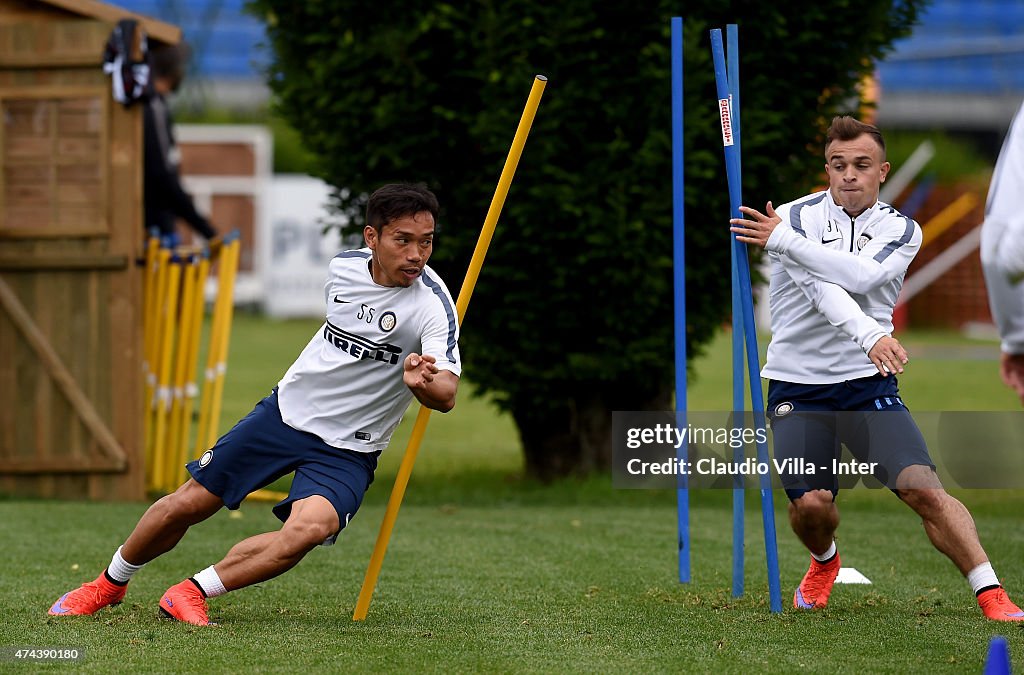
(725,113)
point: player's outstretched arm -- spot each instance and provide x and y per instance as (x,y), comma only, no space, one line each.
(856,272)
(432,387)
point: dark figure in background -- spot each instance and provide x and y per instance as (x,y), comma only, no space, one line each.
(165,199)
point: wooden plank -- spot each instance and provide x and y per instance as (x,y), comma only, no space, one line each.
(97,261)
(19,11)
(122,291)
(60,465)
(32,44)
(56,370)
(47,231)
(26,373)
(159,30)
(43,417)
(8,385)
(53,91)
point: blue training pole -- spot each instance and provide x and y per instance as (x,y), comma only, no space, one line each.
(738,400)
(679,281)
(732,166)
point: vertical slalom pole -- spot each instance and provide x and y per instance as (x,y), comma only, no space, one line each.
(738,334)
(148,292)
(158,326)
(177,424)
(226,287)
(461,304)
(207,426)
(753,353)
(732,166)
(679,278)
(192,360)
(164,389)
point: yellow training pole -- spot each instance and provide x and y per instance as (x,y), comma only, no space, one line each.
(176,424)
(158,326)
(148,291)
(192,365)
(216,325)
(164,375)
(948,217)
(420,426)
(231,271)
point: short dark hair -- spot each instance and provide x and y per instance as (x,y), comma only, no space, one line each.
(168,62)
(846,128)
(397,200)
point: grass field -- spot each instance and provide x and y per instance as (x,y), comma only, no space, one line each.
(488,571)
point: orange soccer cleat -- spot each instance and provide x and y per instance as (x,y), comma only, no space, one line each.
(186,603)
(89,598)
(997,605)
(813,591)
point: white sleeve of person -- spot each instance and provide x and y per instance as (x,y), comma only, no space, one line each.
(885,257)
(836,305)
(1002,240)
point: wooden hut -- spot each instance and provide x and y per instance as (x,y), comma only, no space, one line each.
(71,415)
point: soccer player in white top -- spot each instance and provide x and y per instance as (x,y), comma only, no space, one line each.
(838,259)
(390,334)
(1002,254)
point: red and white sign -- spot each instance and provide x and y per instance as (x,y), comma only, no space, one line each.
(725,112)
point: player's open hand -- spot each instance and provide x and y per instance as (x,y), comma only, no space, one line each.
(757,226)
(889,356)
(419,370)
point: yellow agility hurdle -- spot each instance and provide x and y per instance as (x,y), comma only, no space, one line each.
(173,329)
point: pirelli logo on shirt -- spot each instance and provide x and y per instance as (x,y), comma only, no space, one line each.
(360,347)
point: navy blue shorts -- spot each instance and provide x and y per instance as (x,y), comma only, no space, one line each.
(810,421)
(261,448)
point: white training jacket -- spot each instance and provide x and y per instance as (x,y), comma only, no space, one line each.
(1002,240)
(834,283)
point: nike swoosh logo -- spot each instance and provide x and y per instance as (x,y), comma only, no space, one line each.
(58,607)
(337,298)
(823,241)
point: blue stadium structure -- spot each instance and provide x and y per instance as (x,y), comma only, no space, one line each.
(228,47)
(963,68)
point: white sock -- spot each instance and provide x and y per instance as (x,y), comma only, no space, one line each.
(982,576)
(827,555)
(210,582)
(119,570)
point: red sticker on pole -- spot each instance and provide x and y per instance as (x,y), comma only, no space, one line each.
(725,112)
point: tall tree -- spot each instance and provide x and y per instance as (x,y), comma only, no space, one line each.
(572,315)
